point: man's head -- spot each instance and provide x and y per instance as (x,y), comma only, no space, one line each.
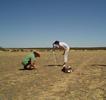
(56,42)
(36,53)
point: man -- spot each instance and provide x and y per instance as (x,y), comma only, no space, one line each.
(29,61)
(65,47)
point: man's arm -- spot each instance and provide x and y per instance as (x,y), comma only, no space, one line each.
(64,52)
(61,48)
(55,46)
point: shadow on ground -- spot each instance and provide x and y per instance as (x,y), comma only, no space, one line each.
(22,69)
(54,65)
(98,65)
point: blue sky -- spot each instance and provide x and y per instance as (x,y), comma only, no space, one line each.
(38,23)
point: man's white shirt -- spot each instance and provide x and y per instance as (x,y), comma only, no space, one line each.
(62,44)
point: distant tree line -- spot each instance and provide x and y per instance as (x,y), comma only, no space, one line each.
(88,48)
(2,49)
(49,49)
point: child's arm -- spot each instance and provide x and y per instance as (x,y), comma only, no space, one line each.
(33,63)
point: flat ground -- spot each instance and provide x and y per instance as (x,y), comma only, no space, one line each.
(86,82)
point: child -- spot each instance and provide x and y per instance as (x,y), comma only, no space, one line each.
(29,61)
(65,47)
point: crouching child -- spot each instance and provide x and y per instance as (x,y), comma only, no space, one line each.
(29,61)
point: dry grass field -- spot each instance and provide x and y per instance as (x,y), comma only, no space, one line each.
(86,82)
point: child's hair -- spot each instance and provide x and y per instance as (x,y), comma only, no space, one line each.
(36,53)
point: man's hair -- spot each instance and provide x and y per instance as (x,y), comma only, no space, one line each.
(56,42)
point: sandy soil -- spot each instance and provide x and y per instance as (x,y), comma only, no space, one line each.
(86,82)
